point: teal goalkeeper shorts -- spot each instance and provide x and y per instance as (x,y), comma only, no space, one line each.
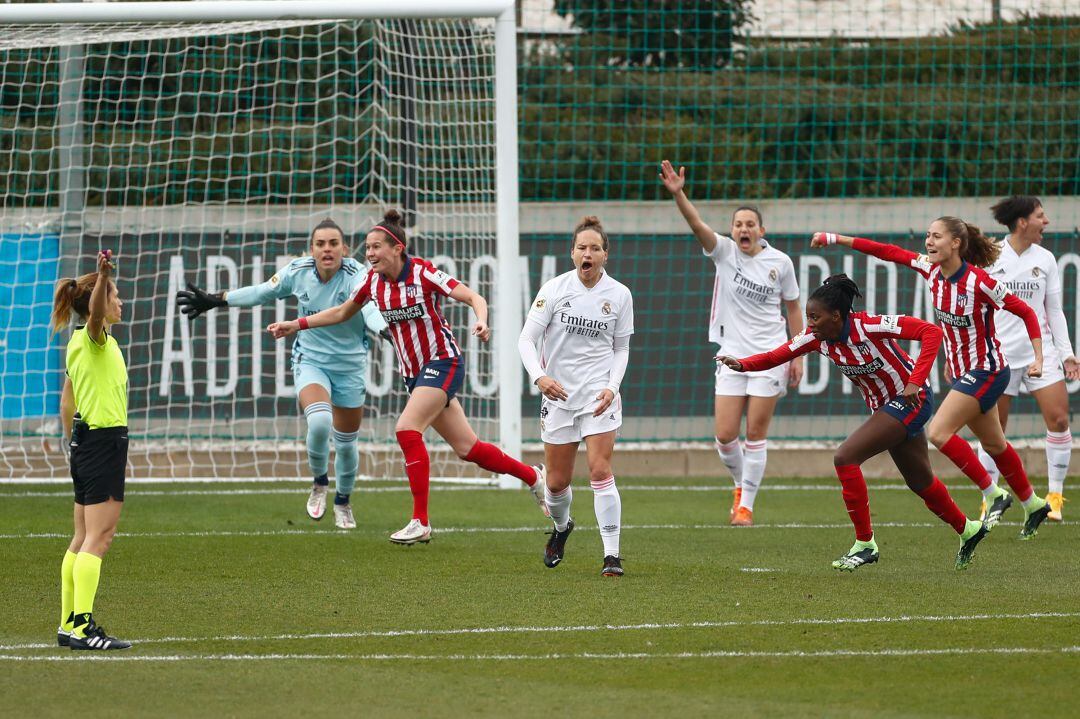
(346,389)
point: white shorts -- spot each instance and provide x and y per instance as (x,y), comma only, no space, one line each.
(1052,372)
(559,425)
(764,383)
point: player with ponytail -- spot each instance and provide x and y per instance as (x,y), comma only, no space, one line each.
(93,411)
(965,299)
(407,291)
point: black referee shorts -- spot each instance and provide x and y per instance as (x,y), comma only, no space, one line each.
(98,463)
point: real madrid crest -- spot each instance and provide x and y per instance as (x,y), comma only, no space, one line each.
(773,275)
(1034,271)
(606,309)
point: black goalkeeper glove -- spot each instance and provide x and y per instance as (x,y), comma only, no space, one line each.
(385,334)
(193,301)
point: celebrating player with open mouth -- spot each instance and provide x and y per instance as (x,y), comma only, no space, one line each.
(329,365)
(584,319)
(1030,271)
(407,291)
(753,279)
(865,349)
(965,299)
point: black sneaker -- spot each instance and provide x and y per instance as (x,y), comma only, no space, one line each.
(1033,520)
(612,567)
(96,638)
(996,509)
(62,637)
(967,548)
(856,558)
(556,546)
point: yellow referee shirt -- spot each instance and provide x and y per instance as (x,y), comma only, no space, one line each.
(99,380)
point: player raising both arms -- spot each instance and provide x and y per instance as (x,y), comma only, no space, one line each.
(1030,271)
(753,280)
(965,299)
(584,319)
(329,364)
(96,387)
(865,349)
(407,291)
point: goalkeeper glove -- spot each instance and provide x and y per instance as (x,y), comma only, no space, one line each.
(193,301)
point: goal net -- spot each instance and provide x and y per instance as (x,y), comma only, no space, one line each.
(206,152)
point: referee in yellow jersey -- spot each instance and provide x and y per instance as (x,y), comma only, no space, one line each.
(96,387)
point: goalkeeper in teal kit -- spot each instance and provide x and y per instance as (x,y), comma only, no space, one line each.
(329,363)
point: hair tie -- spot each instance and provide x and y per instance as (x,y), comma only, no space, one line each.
(387,231)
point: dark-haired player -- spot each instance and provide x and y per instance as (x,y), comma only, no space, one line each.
(965,300)
(329,364)
(407,291)
(865,348)
(1030,271)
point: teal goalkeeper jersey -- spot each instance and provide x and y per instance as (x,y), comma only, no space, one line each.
(339,347)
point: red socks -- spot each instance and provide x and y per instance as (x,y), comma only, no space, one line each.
(488,456)
(939,502)
(961,454)
(856,499)
(418,467)
(1012,469)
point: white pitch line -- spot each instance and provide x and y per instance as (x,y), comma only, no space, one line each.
(716,654)
(467,530)
(584,628)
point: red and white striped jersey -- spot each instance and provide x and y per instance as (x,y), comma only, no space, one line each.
(867,353)
(964,306)
(410,306)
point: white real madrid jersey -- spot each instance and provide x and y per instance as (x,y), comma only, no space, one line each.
(1031,276)
(580,326)
(745,316)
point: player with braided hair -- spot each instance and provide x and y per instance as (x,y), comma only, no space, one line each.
(965,299)
(865,348)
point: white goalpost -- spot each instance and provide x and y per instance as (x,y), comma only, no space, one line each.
(202,141)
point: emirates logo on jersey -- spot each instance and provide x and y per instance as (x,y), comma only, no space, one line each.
(606,309)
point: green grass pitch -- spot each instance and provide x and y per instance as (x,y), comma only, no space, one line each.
(241,606)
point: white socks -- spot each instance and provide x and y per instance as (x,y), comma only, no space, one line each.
(559,505)
(1058,453)
(991,468)
(754,457)
(608,507)
(731,454)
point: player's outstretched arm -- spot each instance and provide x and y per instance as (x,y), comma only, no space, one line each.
(1021,309)
(479,305)
(889,253)
(675,182)
(326,318)
(194,302)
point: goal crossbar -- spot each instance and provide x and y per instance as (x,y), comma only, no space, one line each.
(248,10)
